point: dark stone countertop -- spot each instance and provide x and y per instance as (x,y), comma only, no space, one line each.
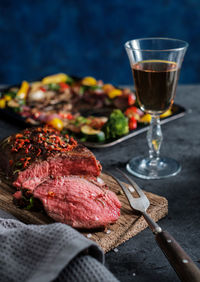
(140,259)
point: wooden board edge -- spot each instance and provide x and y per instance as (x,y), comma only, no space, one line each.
(131,229)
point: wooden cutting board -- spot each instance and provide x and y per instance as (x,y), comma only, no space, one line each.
(128,225)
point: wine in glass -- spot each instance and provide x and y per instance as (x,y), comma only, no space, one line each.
(155,64)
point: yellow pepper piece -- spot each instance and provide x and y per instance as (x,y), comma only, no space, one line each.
(23,91)
(166,114)
(89,81)
(7,97)
(108,87)
(2,103)
(56,123)
(56,78)
(114,93)
(145,118)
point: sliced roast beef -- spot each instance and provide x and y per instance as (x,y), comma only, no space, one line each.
(78,202)
(33,155)
(54,170)
(79,161)
(31,177)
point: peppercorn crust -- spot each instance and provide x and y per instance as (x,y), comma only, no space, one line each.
(23,150)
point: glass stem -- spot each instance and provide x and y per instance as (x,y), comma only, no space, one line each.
(154,139)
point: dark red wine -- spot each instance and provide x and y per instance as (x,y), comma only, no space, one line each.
(155,83)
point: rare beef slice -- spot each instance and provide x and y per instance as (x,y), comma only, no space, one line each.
(76,201)
(32,156)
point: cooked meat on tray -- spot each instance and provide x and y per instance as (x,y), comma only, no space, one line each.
(46,165)
(82,106)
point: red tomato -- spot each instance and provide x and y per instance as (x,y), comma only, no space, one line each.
(131,99)
(132,123)
(66,116)
(63,85)
(69,116)
(43,89)
(131,111)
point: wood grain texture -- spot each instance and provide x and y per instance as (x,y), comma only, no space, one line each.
(128,225)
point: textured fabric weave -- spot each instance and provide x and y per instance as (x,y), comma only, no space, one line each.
(47,252)
(85,269)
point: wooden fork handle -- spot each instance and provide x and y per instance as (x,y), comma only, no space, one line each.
(185,268)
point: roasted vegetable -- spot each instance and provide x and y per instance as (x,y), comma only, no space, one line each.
(117,125)
(56,123)
(132,123)
(7,97)
(60,101)
(92,134)
(108,87)
(10,95)
(89,81)
(114,93)
(2,103)
(63,86)
(53,86)
(133,112)
(166,114)
(146,118)
(56,78)
(69,80)
(131,99)
(23,91)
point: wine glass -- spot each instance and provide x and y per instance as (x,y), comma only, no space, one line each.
(155,64)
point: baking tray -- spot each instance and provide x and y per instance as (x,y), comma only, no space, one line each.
(177,110)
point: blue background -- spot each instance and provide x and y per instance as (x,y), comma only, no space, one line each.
(40,37)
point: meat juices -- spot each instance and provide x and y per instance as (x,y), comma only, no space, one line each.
(62,175)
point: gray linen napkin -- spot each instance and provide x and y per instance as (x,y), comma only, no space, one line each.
(43,253)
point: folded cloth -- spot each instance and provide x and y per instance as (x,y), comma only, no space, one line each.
(53,252)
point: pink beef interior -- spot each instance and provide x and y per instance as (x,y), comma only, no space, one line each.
(32,176)
(39,171)
(78,202)
(73,166)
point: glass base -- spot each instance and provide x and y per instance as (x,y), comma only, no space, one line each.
(147,168)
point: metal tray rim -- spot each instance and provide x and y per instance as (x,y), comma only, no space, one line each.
(136,132)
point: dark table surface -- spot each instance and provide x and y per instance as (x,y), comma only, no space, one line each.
(140,259)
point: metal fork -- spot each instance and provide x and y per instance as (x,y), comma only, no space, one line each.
(185,268)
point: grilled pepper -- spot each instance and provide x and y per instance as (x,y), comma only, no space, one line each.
(89,81)
(56,78)
(166,114)
(114,93)
(2,103)
(56,123)
(23,91)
